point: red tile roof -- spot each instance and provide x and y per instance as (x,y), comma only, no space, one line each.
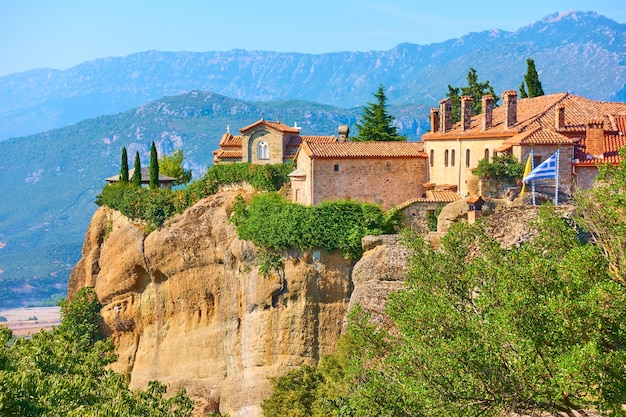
(228,140)
(295,141)
(273,125)
(613,142)
(432,196)
(539,112)
(359,150)
(539,136)
(227,154)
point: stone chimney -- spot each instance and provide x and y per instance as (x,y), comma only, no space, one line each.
(559,122)
(445,115)
(466,113)
(434,120)
(509,102)
(594,137)
(487,103)
(344,132)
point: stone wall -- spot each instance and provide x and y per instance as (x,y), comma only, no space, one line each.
(385,182)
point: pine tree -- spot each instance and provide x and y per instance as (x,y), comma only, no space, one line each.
(136,180)
(154,168)
(532,80)
(124,167)
(376,124)
(522,91)
(474,89)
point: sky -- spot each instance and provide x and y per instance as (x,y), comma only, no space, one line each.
(60,34)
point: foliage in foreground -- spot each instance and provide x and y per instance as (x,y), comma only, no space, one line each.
(63,372)
(155,206)
(482,330)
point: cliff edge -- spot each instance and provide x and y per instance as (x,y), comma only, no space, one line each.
(187,306)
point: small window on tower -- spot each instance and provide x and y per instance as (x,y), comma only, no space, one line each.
(432,157)
(336,168)
(388,166)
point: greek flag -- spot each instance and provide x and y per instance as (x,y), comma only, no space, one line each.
(546,169)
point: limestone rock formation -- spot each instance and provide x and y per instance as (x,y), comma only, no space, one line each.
(186,305)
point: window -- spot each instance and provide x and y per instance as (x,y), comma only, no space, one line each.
(445,158)
(388,166)
(487,154)
(263,150)
(336,168)
(536,160)
(432,157)
(467,158)
(452,157)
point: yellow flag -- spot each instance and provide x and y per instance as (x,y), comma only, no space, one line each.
(526,172)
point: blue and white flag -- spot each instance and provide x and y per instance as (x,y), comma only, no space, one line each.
(546,169)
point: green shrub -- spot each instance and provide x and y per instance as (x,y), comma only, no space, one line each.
(502,167)
(271,222)
(154,207)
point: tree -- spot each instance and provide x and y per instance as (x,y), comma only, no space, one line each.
(376,124)
(154,168)
(124,167)
(136,179)
(522,91)
(532,80)
(474,89)
(63,372)
(172,165)
(601,212)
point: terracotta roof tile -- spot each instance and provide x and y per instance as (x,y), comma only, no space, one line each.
(228,140)
(228,153)
(273,125)
(432,196)
(613,142)
(364,149)
(540,112)
(539,136)
(295,141)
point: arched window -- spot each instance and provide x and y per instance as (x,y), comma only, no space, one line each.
(388,166)
(487,154)
(263,150)
(445,158)
(432,157)
(467,158)
(452,157)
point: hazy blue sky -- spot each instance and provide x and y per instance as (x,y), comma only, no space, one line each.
(63,33)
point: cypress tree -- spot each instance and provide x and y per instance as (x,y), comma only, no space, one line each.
(136,180)
(124,167)
(532,80)
(377,124)
(522,91)
(154,168)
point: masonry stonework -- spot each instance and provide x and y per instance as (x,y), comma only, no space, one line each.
(384,182)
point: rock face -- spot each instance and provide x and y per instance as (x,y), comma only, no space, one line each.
(187,306)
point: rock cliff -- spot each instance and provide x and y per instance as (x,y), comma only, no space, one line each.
(186,304)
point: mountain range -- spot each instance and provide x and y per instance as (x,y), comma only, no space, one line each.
(580,52)
(186,101)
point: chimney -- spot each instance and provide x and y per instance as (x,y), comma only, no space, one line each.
(434,120)
(509,101)
(445,114)
(594,137)
(343,131)
(560,118)
(487,103)
(466,113)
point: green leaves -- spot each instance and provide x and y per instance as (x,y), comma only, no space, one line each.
(502,167)
(474,89)
(376,124)
(276,224)
(63,372)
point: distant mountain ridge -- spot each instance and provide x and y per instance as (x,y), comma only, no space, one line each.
(50,180)
(580,52)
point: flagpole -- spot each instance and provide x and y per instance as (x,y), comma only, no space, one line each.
(556,192)
(532,166)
